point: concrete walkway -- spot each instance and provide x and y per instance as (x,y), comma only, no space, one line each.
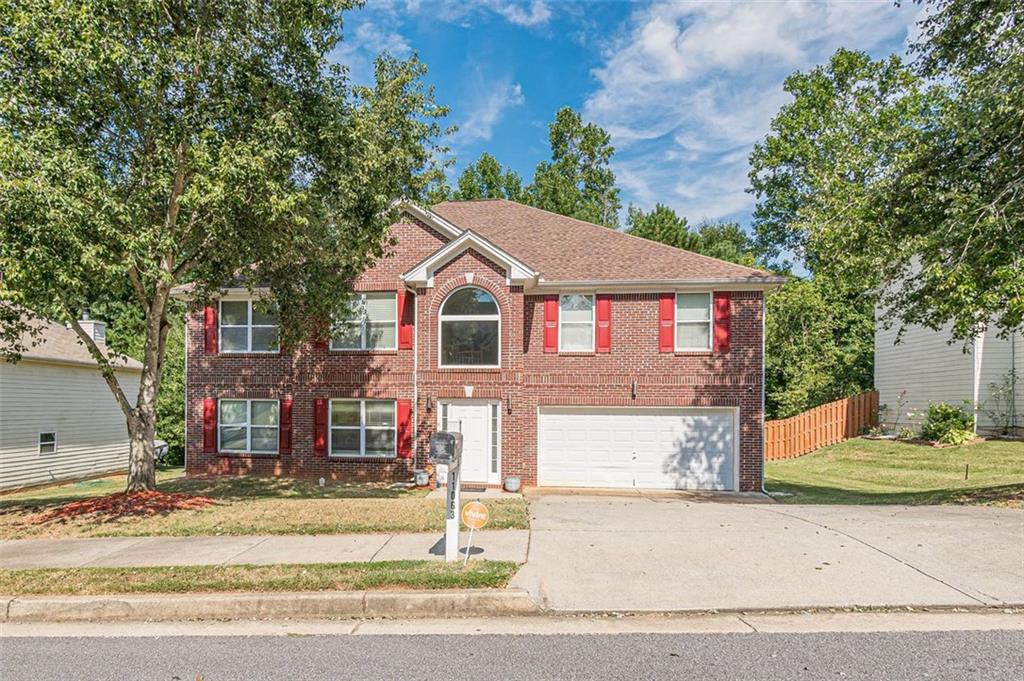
(252,550)
(675,553)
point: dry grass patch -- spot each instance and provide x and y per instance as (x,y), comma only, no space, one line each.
(388,575)
(235,506)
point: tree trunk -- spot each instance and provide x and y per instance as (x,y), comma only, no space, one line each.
(141,455)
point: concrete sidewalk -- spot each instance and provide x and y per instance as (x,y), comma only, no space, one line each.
(253,550)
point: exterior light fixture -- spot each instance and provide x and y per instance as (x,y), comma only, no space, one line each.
(508,402)
(430,402)
(634,390)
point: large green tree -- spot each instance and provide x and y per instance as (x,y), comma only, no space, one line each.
(661,224)
(578,180)
(147,144)
(485,178)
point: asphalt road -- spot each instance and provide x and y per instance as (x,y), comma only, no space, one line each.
(992,656)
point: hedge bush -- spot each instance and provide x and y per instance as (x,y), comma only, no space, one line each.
(947,424)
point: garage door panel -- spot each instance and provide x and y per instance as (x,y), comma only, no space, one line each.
(645,448)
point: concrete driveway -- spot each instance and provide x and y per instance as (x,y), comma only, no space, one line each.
(666,552)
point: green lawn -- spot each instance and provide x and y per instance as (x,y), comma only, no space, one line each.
(884,472)
(390,575)
(241,505)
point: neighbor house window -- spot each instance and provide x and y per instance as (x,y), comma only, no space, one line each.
(248,426)
(470,329)
(372,324)
(693,321)
(248,326)
(47,443)
(576,323)
(363,428)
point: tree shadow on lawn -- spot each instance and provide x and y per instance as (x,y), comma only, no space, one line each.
(1008,495)
(240,488)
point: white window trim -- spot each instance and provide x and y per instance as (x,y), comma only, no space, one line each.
(39,442)
(593,323)
(362,428)
(364,324)
(249,326)
(248,427)
(676,322)
(441,318)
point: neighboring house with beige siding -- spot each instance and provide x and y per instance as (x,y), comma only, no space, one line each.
(930,369)
(58,419)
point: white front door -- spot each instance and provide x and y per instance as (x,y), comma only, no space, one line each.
(478,423)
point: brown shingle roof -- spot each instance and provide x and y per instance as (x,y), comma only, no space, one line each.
(58,343)
(567,249)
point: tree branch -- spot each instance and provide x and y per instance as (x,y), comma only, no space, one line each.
(140,290)
(106,367)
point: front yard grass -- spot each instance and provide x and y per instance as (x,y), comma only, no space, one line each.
(387,576)
(240,506)
(862,471)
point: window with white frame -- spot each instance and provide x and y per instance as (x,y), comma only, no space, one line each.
(693,321)
(363,428)
(470,329)
(576,323)
(47,442)
(372,324)
(248,426)
(248,326)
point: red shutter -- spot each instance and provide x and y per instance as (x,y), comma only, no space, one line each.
(285,421)
(604,322)
(550,323)
(321,343)
(666,322)
(721,312)
(210,330)
(209,425)
(406,319)
(319,427)
(404,429)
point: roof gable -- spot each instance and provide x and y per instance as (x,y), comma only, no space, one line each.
(422,274)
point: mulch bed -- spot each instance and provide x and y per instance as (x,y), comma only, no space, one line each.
(124,505)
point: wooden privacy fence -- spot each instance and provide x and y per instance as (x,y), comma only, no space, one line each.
(821,426)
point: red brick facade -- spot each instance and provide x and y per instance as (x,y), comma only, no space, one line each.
(527,379)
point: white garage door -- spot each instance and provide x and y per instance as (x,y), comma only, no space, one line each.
(650,448)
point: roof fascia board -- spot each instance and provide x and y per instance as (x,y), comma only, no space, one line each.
(428,216)
(641,286)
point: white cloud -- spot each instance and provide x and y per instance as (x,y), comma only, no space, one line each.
(485,113)
(535,14)
(691,86)
(361,45)
(518,12)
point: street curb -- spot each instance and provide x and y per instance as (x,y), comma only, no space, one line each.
(316,605)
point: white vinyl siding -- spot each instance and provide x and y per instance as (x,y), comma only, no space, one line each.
(372,324)
(931,370)
(363,428)
(74,403)
(576,323)
(693,321)
(248,326)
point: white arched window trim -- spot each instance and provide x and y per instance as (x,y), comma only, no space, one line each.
(442,317)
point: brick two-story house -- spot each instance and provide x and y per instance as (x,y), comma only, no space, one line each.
(566,353)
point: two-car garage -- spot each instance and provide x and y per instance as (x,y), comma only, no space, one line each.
(642,447)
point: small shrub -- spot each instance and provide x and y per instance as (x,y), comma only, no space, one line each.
(947,424)
(906,434)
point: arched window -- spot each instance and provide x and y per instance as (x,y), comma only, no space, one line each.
(470,329)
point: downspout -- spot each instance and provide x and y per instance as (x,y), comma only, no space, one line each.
(185,406)
(979,351)
(1013,383)
(764,312)
(415,376)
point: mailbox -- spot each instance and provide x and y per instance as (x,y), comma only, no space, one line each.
(446,448)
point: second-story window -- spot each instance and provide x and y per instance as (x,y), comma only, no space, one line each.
(372,324)
(693,321)
(576,323)
(248,326)
(470,329)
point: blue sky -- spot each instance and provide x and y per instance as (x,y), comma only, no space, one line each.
(684,88)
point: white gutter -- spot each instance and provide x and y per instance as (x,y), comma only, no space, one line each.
(764,313)
(722,284)
(979,353)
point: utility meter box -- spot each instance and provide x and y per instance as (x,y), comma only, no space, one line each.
(446,448)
